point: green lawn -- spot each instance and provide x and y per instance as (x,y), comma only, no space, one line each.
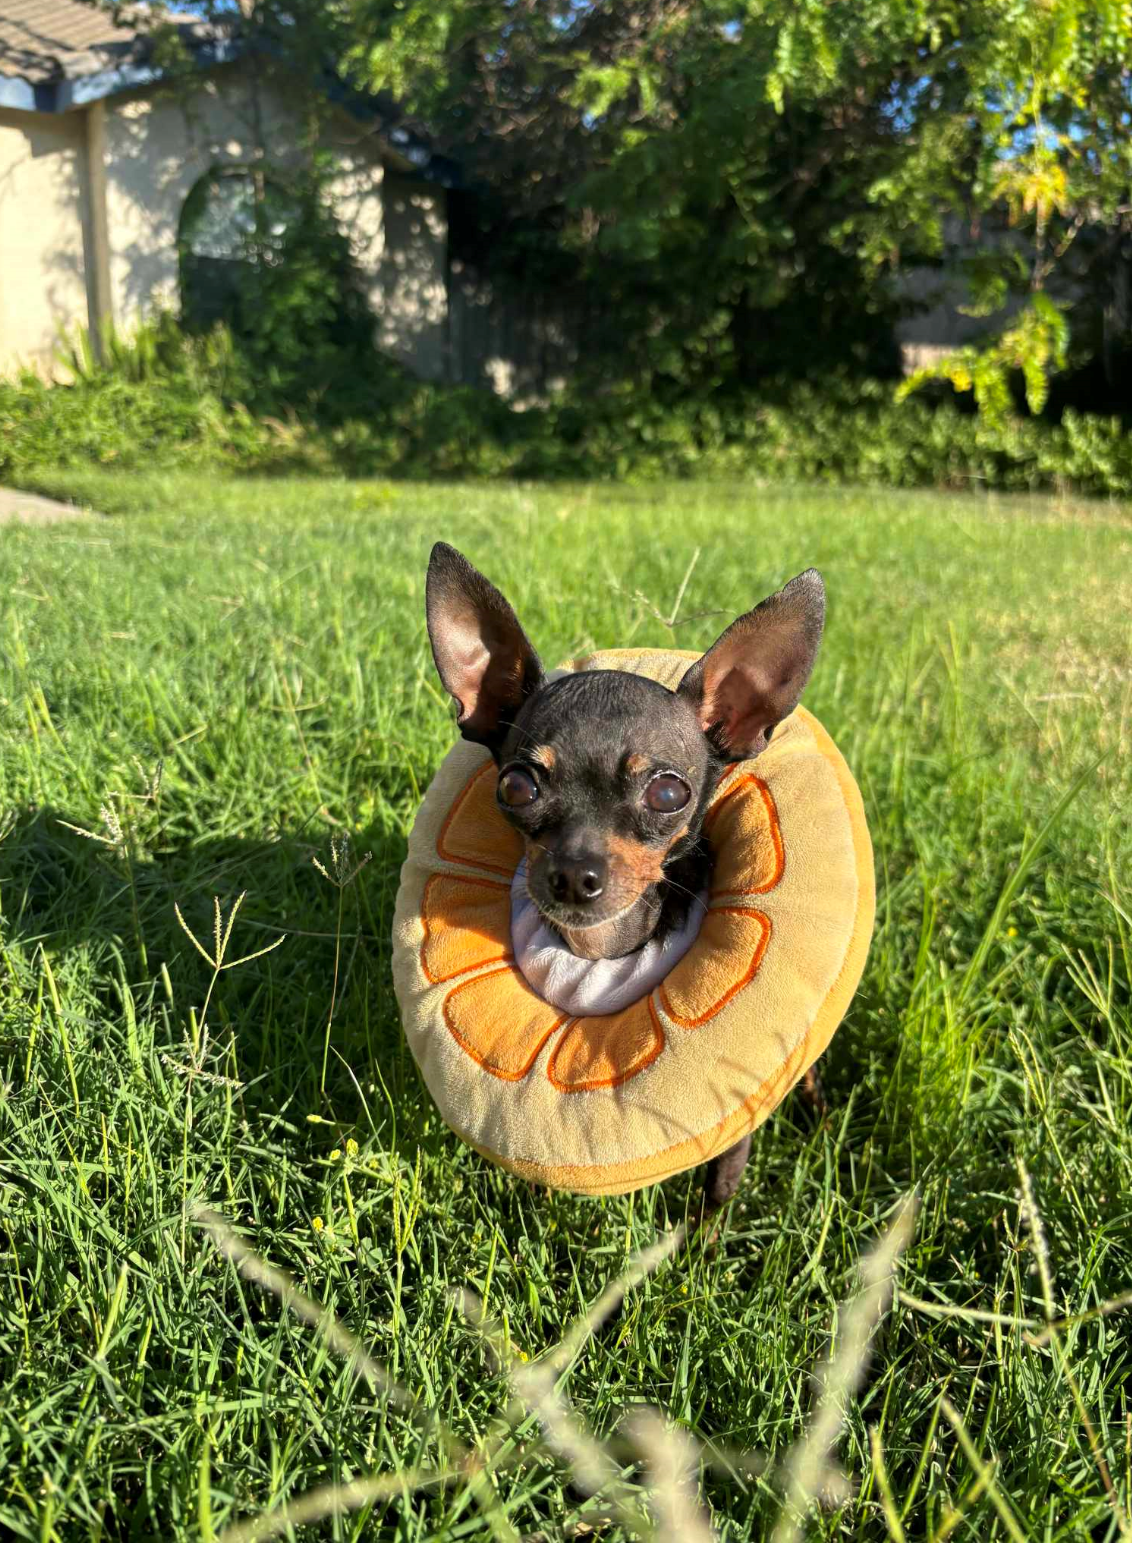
(263,643)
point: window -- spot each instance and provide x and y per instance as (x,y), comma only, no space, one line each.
(236,218)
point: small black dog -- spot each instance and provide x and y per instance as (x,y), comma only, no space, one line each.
(607,775)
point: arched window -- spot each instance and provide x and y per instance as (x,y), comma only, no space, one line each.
(236,218)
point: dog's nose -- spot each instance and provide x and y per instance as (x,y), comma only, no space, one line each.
(577,880)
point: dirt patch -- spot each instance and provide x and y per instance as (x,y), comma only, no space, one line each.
(30,509)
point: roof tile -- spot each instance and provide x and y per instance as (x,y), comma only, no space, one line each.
(45,40)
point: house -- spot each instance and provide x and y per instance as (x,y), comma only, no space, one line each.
(126,183)
(119,178)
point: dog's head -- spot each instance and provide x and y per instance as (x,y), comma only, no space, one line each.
(607,775)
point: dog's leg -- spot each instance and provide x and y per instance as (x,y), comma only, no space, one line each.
(723,1175)
(813,1092)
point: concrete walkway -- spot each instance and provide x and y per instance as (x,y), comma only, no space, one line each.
(30,509)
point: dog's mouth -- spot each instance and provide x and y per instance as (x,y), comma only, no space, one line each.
(616,922)
(611,936)
(609,933)
(621,897)
(568,918)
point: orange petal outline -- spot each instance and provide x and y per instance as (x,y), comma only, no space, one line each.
(474,831)
(748,840)
(467,922)
(604,1052)
(724,958)
(500,1022)
(504,1025)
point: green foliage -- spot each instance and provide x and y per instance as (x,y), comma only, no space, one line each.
(153,351)
(292,302)
(733,185)
(111,421)
(189,409)
(1035,344)
(156,352)
(725,167)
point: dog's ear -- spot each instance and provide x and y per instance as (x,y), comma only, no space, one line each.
(482,654)
(753,675)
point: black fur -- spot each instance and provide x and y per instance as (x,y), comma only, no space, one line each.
(581,759)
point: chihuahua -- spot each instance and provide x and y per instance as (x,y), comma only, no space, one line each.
(607,775)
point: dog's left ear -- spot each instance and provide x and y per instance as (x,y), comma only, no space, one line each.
(753,675)
(482,654)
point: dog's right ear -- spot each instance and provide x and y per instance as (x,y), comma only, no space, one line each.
(482,654)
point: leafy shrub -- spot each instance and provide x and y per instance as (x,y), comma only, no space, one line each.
(164,398)
(285,288)
(116,422)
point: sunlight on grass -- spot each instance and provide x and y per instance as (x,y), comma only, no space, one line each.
(226,688)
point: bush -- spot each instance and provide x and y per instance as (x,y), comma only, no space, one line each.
(164,398)
(292,303)
(120,423)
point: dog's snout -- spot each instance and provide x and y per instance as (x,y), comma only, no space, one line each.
(577,880)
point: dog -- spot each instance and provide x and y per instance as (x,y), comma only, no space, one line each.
(606,775)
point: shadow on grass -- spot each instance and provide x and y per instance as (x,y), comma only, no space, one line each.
(106,918)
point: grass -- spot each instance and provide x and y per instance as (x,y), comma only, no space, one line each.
(262,643)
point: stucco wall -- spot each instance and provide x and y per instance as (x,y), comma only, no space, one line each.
(414,306)
(160,143)
(940,324)
(44,228)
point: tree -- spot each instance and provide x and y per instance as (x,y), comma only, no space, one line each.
(746,173)
(735,183)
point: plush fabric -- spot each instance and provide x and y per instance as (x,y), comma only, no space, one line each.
(585,988)
(606,1103)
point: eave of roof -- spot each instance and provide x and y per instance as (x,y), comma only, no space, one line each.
(66,93)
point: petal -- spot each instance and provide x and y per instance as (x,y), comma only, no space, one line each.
(500,1022)
(724,958)
(467,922)
(475,832)
(603,1052)
(743,829)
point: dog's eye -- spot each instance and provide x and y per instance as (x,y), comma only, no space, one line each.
(667,793)
(517,788)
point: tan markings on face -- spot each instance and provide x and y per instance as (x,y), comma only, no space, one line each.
(637,765)
(635,866)
(545,756)
(593,942)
